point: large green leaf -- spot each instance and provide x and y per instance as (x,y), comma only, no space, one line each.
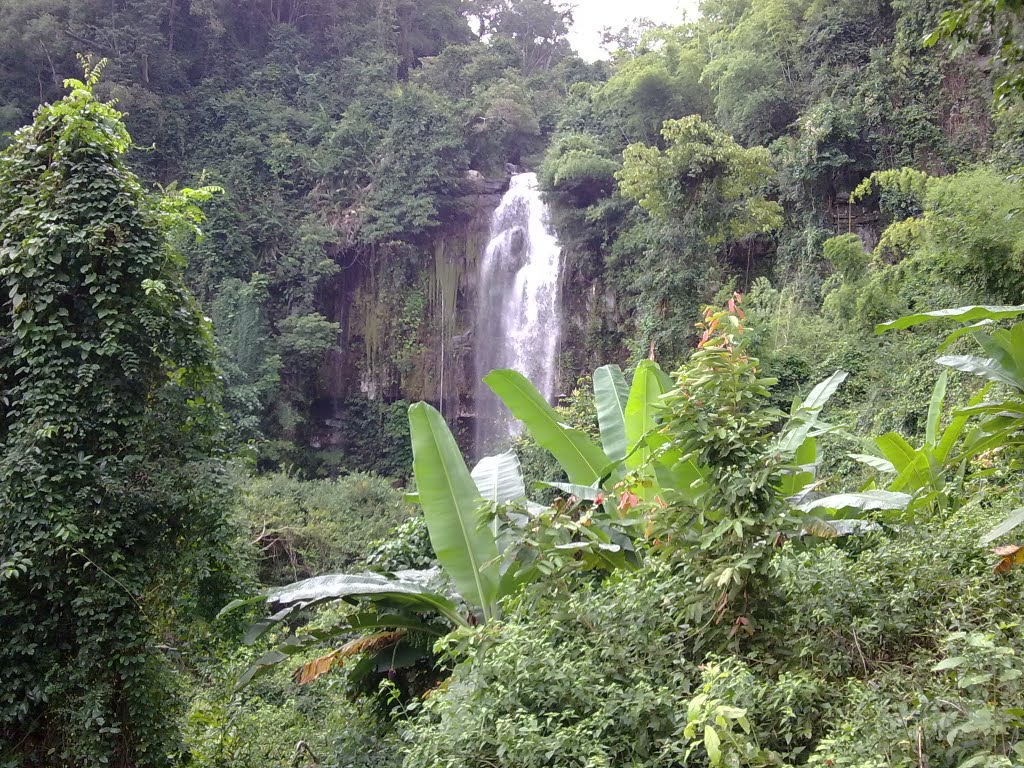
(583,461)
(804,470)
(917,475)
(935,409)
(610,396)
(466,550)
(964,330)
(585,492)
(413,588)
(264,664)
(499,479)
(952,433)
(822,392)
(875,462)
(804,422)
(984,367)
(859,501)
(683,477)
(673,471)
(960,314)
(1006,348)
(343,585)
(897,450)
(641,407)
(1014,520)
(373,620)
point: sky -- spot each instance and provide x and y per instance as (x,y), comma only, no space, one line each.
(593,15)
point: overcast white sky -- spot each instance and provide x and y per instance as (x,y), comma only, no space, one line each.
(593,15)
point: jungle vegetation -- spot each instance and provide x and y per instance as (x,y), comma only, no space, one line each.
(776,519)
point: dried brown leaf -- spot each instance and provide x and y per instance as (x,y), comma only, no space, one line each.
(1010,557)
(317,668)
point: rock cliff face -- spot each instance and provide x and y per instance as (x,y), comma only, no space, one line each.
(410,336)
(862,220)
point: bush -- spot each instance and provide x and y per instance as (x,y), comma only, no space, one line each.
(597,681)
(310,527)
(884,650)
(406,547)
(280,723)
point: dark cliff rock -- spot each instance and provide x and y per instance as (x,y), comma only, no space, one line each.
(410,336)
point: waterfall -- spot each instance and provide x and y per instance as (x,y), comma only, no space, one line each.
(517,317)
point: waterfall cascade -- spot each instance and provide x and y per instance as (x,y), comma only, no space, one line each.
(518,314)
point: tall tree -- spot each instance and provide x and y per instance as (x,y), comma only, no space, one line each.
(108,513)
(538,27)
(704,194)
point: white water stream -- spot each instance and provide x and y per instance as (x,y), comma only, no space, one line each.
(518,318)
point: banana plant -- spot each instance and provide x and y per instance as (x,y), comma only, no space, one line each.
(933,473)
(916,480)
(477,559)
(456,505)
(798,441)
(635,457)
(474,550)
(627,416)
(581,458)
(997,423)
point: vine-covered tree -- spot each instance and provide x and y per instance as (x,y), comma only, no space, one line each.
(703,195)
(110,525)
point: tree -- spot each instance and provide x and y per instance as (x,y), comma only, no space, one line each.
(660,81)
(703,176)
(110,517)
(998,23)
(422,159)
(538,28)
(704,194)
(753,69)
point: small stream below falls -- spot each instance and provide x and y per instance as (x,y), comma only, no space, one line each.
(518,317)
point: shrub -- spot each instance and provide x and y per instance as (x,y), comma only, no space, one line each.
(310,527)
(882,650)
(596,681)
(112,518)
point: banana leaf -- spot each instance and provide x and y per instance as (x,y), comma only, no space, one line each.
(875,462)
(866,500)
(414,589)
(450,500)
(985,367)
(610,397)
(583,461)
(935,409)
(804,423)
(804,471)
(967,314)
(1014,520)
(897,450)
(584,492)
(499,479)
(641,408)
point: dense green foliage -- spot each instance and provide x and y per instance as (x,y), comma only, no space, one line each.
(342,134)
(113,529)
(311,527)
(780,554)
(756,636)
(876,656)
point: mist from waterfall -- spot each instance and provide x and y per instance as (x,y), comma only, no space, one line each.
(517,317)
